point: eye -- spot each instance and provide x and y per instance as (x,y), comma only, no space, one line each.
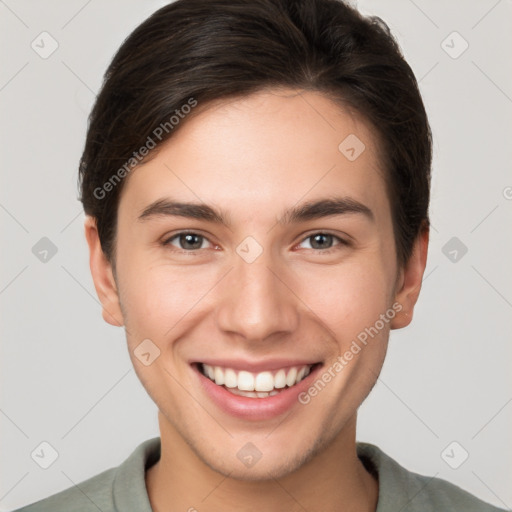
(187,241)
(324,241)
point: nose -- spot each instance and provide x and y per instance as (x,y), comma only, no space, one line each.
(256,301)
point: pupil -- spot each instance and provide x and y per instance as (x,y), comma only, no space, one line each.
(320,241)
(193,241)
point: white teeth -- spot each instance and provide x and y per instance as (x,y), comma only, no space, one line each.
(230,379)
(246,381)
(280,379)
(291,377)
(264,382)
(219,376)
(259,385)
(250,394)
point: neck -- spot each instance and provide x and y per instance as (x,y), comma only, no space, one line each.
(334,479)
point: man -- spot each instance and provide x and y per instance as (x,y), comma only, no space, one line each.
(256,183)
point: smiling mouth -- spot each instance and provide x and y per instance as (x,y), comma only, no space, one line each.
(256,385)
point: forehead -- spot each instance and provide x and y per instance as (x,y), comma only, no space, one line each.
(263,151)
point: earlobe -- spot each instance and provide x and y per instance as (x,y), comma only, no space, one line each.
(102,275)
(409,284)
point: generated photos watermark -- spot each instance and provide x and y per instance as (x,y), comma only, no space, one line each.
(138,156)
(355,347)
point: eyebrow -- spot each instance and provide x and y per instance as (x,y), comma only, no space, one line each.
(306,211)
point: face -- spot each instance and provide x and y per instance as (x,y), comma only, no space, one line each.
(257,260)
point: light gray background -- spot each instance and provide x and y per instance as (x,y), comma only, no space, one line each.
(66,376)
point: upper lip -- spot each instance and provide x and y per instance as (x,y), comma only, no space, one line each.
(256,366)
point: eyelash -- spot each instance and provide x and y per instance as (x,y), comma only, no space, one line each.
(341,242)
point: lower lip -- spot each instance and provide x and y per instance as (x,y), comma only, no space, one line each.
(255,408)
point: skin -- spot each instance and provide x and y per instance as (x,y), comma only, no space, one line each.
(252,158)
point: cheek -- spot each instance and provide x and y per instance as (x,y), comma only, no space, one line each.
(157,297)
(350,297)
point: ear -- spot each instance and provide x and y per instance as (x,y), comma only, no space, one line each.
(409,281)
(102,275)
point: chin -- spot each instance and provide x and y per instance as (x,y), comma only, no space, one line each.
(268,464)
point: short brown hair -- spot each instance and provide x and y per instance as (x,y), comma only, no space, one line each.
(208,50)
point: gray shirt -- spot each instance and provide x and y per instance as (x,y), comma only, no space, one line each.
(123,489)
